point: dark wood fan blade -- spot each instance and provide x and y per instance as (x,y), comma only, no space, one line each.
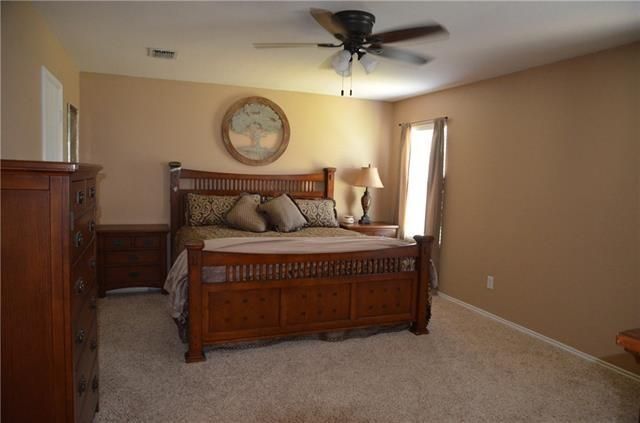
(398,54)
(408,34)
(293,45)
(328,21)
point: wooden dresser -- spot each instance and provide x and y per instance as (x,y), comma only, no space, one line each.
(49,325)
(131,256)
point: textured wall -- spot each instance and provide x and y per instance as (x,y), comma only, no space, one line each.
(137,125)
(543,192)
(27,45)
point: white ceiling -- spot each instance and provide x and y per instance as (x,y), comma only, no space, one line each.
(214,40)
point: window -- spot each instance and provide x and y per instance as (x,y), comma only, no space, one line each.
(420,151)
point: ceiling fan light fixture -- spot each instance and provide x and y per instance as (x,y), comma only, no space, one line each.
(341,62)
(368,63)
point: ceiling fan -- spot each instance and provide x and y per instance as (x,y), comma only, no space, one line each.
(353,30)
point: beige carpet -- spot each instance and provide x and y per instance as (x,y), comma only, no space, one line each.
(469,369)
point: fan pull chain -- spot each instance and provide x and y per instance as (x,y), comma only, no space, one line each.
(342,90)
(350,80)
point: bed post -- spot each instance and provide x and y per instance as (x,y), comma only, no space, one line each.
(423,313)
(174,211)
(329,178)
(194,257)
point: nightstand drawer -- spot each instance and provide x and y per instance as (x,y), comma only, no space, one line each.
(128,276)
(147,242)
(132,257)
(115,243)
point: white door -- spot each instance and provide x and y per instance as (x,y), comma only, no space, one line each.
(52,126)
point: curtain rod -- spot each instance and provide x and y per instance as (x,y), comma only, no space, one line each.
(423,121)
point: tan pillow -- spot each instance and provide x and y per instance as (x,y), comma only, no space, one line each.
(283,214)
(244,214)
(320,213)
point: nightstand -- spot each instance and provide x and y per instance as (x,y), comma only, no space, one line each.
(131,256)
(374,229)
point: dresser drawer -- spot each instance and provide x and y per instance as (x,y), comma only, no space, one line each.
(132,257)
(78,197)
(126,276)
(82,233)
(85,333)
(85,384)
(91,192)
(87,408)
(83,279)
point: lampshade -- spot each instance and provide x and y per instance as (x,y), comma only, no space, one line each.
(341,61)
(368,177)
(368,63)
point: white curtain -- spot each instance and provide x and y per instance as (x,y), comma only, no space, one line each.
(403,187)
(435,194)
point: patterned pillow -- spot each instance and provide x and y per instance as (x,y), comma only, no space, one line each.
(320,213)
(283,214)
(244,214)
(208,209)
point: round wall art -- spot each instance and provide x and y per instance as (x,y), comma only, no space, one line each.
(255,131)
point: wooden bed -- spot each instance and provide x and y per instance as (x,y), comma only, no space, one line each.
(275,295)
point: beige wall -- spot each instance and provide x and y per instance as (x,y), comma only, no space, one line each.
(28,44)
(137,125)
(543,192)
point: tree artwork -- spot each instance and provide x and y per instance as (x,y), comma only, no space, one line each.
(256,121)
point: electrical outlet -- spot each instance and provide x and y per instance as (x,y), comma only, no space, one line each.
(490,282)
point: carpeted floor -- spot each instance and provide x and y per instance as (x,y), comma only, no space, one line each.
(469,369)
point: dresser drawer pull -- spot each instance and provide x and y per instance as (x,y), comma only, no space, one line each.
(134,274)
(92,226)
(80,336)
(80,197)
(92,303)
(93,345)
(78,239)
(82,385)
(132,258)
(81,286)
(92,263)
(92,192)
(95,384)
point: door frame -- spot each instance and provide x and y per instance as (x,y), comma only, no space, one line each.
(47,78)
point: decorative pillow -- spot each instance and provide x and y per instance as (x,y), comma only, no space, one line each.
(319,213)
(283,214)
(208,209)
(244,214)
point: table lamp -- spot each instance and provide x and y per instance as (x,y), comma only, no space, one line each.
(367,177)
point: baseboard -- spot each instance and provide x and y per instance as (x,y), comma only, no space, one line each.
(542,337)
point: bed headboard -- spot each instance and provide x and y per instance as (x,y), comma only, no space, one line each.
(183,181)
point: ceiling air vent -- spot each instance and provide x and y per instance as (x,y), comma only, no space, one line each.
(161,53)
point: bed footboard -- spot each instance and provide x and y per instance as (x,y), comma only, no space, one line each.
(275,295)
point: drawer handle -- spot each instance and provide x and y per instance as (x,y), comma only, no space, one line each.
(132,258)
(93,345)
(92,226)
(81,286)
(92,263)
(80,197)
(80,336)
(134,274)
(95,384)
(82,385)
(78,239)
(93,303)
(92,192)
